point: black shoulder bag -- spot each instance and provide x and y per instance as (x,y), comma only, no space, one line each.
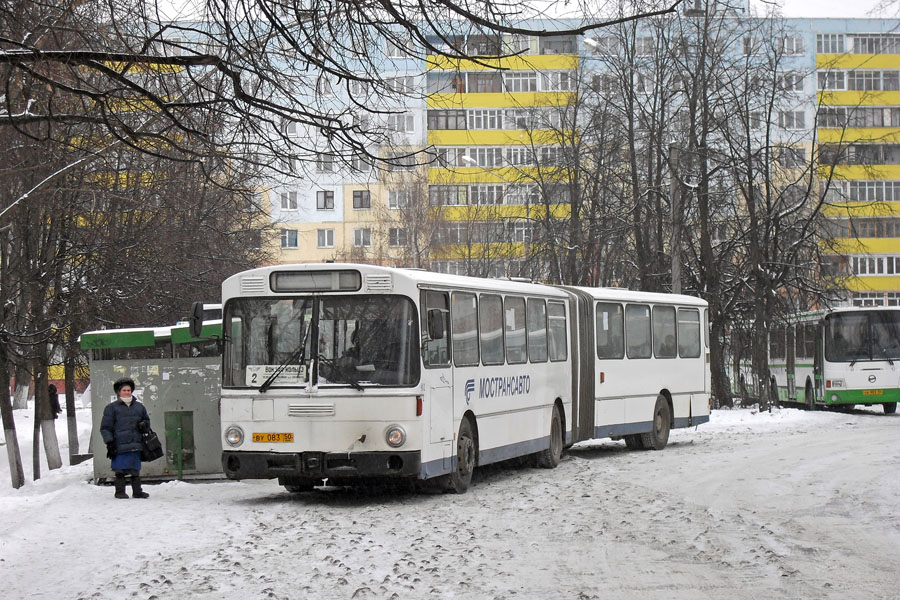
(151,447)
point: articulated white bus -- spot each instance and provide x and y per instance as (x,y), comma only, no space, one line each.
(352,372)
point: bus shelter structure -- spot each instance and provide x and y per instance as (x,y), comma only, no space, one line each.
(177,377)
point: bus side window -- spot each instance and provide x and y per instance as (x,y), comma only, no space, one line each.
(637,330)
(536,318)
(437,352)
(688,333)
(610,331)
(664,332)
(556,311)
(490,317)
(464,328)
(514,326)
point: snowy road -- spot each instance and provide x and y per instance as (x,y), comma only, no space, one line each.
(787,505)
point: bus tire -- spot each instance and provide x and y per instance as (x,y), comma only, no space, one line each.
(634,442)
(810,396)
(549,458)
(662,420)
(461,476)
(889,408)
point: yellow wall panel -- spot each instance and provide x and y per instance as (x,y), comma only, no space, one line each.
(503,211)
(492,137)
(867,246)
(854,98)
(861,209)
(499,100)
(880,283)
(863,172)
(481,175)
(882,135)
(528,62)
(858,61)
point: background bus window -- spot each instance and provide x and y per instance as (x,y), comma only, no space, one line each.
(514,326)
(556,312)
(490,316)
(637,330)
(777,347)
(610,331)
(806,341)
(437,352)
(664,332)
(537,330)
(464,325)
(688,333)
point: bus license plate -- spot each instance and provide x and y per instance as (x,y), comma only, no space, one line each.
(273,437)
(873,392)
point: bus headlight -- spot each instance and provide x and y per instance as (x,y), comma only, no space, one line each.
(395,436)
(234,436)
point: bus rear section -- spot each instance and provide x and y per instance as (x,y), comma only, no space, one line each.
(643,365)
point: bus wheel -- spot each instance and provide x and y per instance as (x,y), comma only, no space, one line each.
(810,396)
(549,458)
(662,418)
(634,442)
(889,408)
(461,477)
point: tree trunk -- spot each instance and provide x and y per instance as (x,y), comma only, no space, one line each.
(47,420)
(16,472)
(36,444)
(23,382)
(71,421)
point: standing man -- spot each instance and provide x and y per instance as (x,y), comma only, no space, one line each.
(120,431)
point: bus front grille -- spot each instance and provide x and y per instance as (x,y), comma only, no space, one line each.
(311,410)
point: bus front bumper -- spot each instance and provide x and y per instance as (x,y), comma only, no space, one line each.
(320,465)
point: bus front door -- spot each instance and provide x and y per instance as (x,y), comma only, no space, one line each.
(438,376)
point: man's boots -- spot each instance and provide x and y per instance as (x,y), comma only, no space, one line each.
(136,491)
(120,486)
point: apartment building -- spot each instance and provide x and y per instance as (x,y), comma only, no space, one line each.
(489,126)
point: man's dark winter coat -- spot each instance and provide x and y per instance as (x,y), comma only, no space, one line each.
(120,423)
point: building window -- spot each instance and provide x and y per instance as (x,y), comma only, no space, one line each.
(403,123)
(358,89)
(362,238)
(644,46)
(446,119)
(325,163)
(288,200)
(325,200)
(876,43)
(485,83)
(757,119)
(448,195)
(522,193)
(791,82)
(751,46)
(398,199)
(446,156)
(325,238)
(520,81)
(362,199)
(486,119)
(288,238)
(360,163)
(400,161)
(519,156)
(290,127)
(791,119)
(558,81)
(324,87)
(830,43)
(487,194)
(398,237)
(486,156)
(793,46)
(399,48)
(405,84)
(603,46)
(792,157)
(831,80)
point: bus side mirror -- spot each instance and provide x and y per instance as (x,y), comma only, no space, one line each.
(195,323)
(436,325)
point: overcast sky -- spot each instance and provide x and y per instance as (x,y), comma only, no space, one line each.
(827,8)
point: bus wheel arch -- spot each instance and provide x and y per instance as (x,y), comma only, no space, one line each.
(466,455)
(661,424)
(889,408)
(550,457)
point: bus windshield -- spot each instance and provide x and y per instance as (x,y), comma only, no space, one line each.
(873,335)
(352,340)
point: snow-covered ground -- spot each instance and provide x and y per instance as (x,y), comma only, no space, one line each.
(752,505)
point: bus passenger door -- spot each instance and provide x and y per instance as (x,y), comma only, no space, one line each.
(438,376)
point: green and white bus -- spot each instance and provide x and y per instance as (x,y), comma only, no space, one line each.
(840,357)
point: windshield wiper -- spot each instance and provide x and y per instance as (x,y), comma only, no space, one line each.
(290,359)
(886,357)
(341,374)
